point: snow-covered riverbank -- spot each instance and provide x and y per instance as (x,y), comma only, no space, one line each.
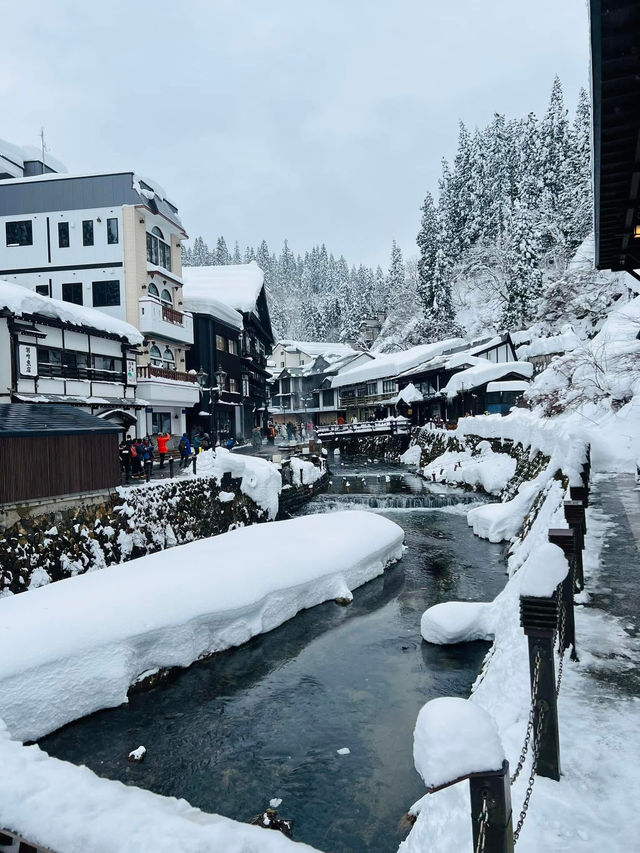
(79,644)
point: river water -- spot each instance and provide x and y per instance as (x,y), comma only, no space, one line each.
(266,720)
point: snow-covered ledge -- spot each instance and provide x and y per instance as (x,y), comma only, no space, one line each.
(78,645)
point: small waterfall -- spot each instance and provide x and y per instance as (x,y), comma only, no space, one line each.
(398,501)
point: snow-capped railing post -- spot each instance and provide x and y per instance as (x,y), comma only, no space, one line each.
(539,618)
(454,740)
(565,539)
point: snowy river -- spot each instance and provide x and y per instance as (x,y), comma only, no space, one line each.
(267,720)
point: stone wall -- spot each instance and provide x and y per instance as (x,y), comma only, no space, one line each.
(374,446)
(99,531)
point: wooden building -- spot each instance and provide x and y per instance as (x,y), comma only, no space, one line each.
(51,450)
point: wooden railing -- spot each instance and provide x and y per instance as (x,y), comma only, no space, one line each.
(148,371)
(172,316)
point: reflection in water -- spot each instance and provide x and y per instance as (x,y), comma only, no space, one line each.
(266,720)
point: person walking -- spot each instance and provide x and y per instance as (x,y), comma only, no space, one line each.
(184,446)
(196,443)
(136,459)
(291,431)
(163,444)
(256,438)
(147,457)
(124,452)
(271,434)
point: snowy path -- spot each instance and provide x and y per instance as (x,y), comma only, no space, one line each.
(593,807)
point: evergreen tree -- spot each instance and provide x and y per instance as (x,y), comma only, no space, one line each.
(237,257)
(428,239)
(395,276)
(200,255)
(221,255)
(185,252)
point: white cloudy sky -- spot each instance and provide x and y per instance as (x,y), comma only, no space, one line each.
(315,120)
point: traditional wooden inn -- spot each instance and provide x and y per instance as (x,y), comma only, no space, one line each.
(233,338)
(55,352)
(305,393)
(370,390)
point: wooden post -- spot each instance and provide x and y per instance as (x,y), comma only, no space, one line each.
(576,519)
(195,462)
(494,787)
(171,464)
(579,493)
(564,538)
(538,617)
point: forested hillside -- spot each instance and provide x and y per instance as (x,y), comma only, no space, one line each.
(510,211)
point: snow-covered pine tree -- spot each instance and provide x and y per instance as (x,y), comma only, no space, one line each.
(395,276)
(428,239)
(185,252)
(237,257)
(524,287)
(249,255)
(221,254)
(200,254)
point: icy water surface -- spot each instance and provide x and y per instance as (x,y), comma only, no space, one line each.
(266,720)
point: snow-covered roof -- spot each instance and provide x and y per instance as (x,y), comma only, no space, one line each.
(393,364)
(409,394)
(198,299)
(485,371)
(20,301)
(314,348)
(18,154)
(507,385)
(235,285)
(555,345)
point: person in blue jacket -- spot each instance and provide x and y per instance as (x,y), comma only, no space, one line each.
(184,447)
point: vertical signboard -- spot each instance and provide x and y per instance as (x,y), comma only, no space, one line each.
(28,360)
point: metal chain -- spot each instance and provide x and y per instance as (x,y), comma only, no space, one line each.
(483,820)
(561,649)
(532,775)
(527,737)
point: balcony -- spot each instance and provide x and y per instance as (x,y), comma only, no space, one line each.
(163,321)
(148,371)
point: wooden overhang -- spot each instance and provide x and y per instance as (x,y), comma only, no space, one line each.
(615,65)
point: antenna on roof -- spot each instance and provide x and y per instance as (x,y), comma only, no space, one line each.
(43,146)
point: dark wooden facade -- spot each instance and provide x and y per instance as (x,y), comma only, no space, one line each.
(60,451)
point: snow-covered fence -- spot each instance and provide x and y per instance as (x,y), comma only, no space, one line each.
(388,426)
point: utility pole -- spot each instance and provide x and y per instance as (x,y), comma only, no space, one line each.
(43,147)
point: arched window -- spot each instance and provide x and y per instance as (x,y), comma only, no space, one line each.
(156,358)
(165,296)
(153,290)
(168,358)
(155,230)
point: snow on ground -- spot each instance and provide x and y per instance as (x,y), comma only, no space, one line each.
(499,521)
(412,455)
(70,809)
(492,471)
(305,473)
(77,645)
(589,808)
(456,622)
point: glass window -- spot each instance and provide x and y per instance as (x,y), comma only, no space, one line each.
(372,388)
(63,235)
(233,346)
(165,296)
(107,363)
(87,232)
(19,233)
(42,289)
(153,290)
(155,230)
(388,386)
(160,422)
(49,362)
(112,230)
(245,386)
(156,358)
(106,294)
(168,358)
(234,385)
(221,343)
(328,397)
(72,292)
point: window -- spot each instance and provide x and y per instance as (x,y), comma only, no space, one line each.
(19,233)
(49,362)
(388,386)
(106,294)
(234,385)
(153,290)
(372,388)
(63,363)
(165,296)
(63,235)
(43,289)
(158,252)
(328,397)
(106,364)
(233,346)
(221,343)
(168,359)
(160,422)
(87,232)
(72,292)
(74,364)
(156,357)
(112,231)
(245,385)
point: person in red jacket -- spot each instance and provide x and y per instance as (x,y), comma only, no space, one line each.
(163,441)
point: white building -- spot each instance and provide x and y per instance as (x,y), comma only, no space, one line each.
(110,242)
(53,352)
(288,353)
